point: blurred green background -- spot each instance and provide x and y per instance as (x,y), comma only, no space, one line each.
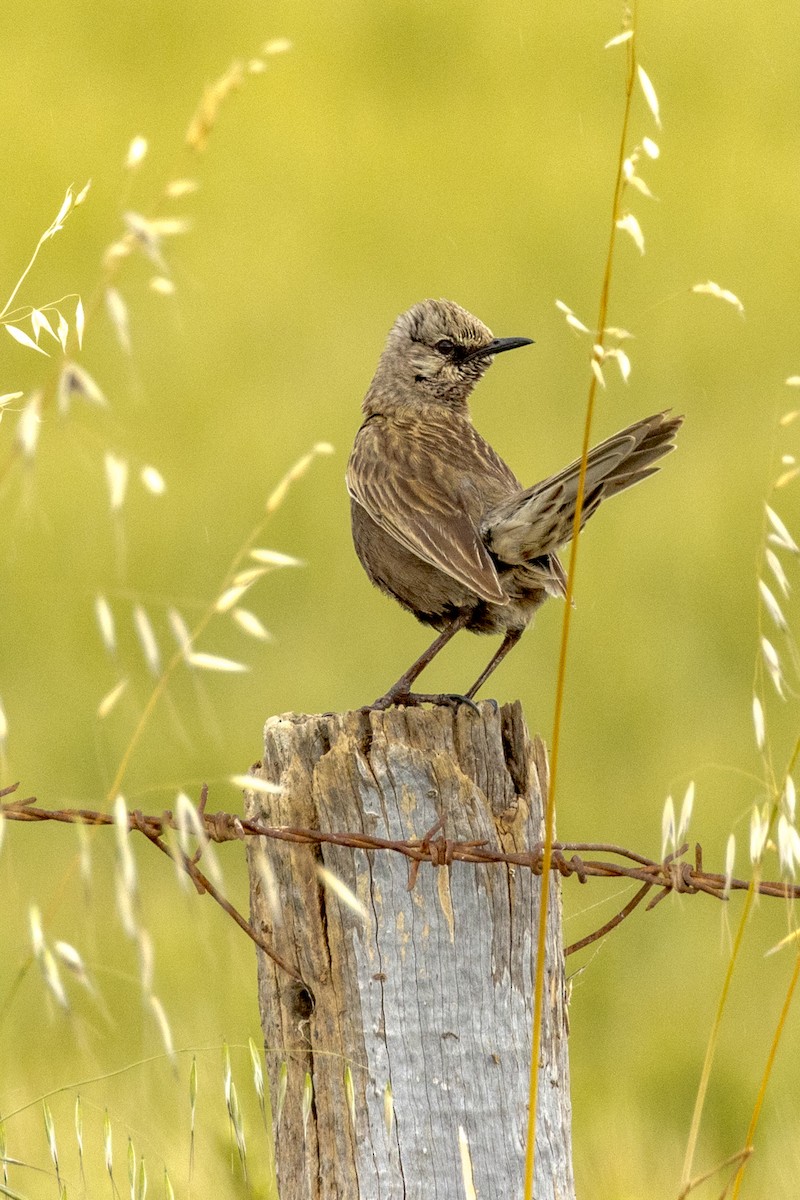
(399,150)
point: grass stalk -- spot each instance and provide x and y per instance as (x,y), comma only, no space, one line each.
(530,1149)
(705,1075)
(295,472)
(773,1050)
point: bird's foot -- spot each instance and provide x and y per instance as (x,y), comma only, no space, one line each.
(403,699)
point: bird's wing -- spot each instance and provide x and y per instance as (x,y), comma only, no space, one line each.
(416,485)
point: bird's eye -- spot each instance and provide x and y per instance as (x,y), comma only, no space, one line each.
(445,346)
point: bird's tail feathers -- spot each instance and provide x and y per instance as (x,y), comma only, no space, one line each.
(538,520)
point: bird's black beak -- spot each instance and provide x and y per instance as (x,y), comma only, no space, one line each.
(498,345)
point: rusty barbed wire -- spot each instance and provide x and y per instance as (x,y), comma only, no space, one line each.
(674,874)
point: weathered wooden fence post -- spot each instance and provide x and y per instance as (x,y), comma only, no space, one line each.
(413,1024)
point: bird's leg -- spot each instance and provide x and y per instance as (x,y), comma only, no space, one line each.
(509,641)
(399,692)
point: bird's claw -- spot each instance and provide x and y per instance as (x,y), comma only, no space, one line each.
(414,699)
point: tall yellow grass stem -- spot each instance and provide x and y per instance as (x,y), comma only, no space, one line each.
(773,1050)
(533,1094)
(705,1075)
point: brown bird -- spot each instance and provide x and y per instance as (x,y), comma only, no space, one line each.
(439,521)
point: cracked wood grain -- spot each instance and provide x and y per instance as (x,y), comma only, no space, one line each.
(426,996)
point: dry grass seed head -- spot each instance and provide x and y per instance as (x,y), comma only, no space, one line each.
(250,575)
(37,934)
(256,784)
(388,1109)
(109,701)
(619,39)
(307,1101)
(772,606)
(230,597)
(108,1145)
(269,884)
(147,639)
(668,827)
(153,480)
(276,497)
(276,45)
(775,565)
(190,825)
(20,336)
(283,1083)
(52,977)
(178,188)
(274,558)
(146,238)
(569,316)
(144,945)
(40,323)
(215,662)
(713,289)
(117,479)
(787,477)
(73,962)
(350,1095)
(126,867)
(164,1029)
(227,1074)
(342,892)
(773,665)
(759,830)
(258,1070)
(79,1127)
(649,94)
(250,624)
(781,537)
(162,286)
(597,371)
(193,1092)
(237,1121)
(105,621)
(467,1178)
(75,383)
(29,425)
(50,1131)
(180,630)
(630,225)
(758,722)
(205,116)
(788,846)
(789,798)
(687,809)
(118,313)
(137,152)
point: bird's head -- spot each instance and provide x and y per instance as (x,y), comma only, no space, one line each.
(435,353)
